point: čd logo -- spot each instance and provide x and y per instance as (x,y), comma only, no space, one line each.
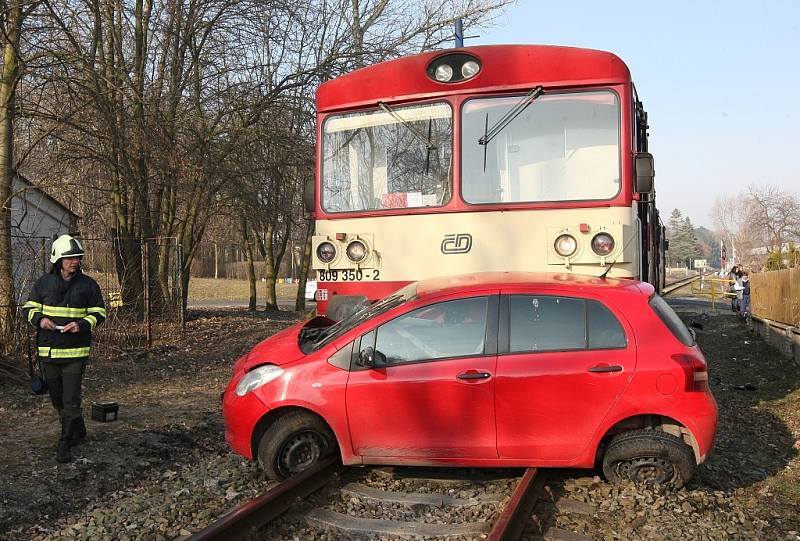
(457,243)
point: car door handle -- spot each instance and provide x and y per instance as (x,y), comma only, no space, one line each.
(474,375)
(606,368)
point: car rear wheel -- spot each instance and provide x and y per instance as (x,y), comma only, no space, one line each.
(649,457)
(294,443)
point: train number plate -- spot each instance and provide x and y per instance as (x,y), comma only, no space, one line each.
(349,275)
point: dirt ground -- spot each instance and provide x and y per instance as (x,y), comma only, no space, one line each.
(170,421)
(169,409)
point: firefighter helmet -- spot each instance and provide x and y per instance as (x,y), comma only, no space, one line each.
(65,246)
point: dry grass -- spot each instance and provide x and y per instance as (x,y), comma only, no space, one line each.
(204,289)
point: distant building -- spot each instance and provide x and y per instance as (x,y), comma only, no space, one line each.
(36,219)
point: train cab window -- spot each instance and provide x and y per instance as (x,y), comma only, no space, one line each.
(443,330)
(387,158)
(561,147)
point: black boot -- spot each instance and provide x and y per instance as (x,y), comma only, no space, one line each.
(63,453)
(77,431)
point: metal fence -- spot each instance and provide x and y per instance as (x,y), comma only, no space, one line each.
(143,294)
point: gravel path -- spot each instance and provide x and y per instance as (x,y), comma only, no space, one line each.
(163,471)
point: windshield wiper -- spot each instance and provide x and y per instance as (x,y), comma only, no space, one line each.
(505,120)
(417,135)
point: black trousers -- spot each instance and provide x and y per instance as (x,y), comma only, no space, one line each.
(64,381)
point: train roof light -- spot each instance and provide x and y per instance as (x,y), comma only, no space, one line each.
(443,73)
(470,68)
(454,68)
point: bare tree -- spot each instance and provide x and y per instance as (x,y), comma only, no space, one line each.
(774,216)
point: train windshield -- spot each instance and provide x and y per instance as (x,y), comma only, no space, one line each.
(562,147)
(394,157)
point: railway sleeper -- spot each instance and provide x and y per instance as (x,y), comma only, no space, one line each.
(328,519)
(417,498)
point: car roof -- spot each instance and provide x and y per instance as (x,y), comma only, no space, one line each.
(500,280)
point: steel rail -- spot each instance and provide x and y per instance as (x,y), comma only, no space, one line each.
(511,522)
(672,286)
(255,513)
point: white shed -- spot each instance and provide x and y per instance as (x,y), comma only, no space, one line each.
(36,219)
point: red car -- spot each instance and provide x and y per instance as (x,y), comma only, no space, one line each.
(489,369)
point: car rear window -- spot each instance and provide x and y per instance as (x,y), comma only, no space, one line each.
(671,320)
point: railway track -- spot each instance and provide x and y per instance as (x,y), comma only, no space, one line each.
(402,503)
(673,286)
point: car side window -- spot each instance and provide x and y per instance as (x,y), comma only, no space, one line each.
(605,331)
(546,323)
(549,323)
(448,329)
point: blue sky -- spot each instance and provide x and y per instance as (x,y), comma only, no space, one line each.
(720,81)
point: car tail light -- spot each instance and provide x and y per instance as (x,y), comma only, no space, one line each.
(695,371)
(321,295)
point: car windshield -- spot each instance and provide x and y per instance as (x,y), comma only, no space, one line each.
(336,330)
(561,147)
(393,157)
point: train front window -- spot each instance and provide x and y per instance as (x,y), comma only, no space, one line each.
(562,147)
(394,157)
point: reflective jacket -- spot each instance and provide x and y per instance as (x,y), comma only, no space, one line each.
(63,301)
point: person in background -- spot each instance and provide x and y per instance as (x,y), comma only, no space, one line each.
(745,305)
(65,306)
(733,276)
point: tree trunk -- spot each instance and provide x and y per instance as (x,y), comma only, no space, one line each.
(270,272)
(251,269)
(8,85)
(305,264)
(216,252)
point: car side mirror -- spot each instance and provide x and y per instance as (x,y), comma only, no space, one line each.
(371,358)
(645,171)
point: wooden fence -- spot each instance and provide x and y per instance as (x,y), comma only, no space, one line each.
(775,295)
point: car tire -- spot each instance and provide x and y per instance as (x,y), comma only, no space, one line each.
(649,457)
(294,443)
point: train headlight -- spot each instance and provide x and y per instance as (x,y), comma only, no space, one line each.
(356,251)
(603,244)
(257,377)
(565,245)
(470,68)
(326,251)
(443,73)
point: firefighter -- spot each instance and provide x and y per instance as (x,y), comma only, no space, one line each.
(65,306)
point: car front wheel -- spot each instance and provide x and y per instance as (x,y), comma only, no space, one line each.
(294,443)
(649,457)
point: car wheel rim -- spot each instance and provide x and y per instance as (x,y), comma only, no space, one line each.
(647,470)
(299,452)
